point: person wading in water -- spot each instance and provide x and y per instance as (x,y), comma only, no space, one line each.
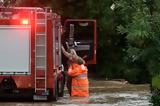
(77,81)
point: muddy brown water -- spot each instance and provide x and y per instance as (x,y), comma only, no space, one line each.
(102,93)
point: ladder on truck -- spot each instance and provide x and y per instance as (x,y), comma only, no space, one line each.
(41,55)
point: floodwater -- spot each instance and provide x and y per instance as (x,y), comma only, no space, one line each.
(102,93)
(127,98)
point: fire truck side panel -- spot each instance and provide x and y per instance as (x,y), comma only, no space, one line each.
(15,49)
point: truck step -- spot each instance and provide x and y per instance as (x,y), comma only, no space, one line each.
(37,97)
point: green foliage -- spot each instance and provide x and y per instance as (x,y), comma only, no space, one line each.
(137,26)
(155,99)
(70,8)
(132,75)
(156,82)
(142,34)
(156,7)
(155,88)
(136,75)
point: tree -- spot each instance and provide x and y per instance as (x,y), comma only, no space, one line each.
(142,40)
(70,8)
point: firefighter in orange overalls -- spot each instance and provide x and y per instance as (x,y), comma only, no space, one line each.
(79,72)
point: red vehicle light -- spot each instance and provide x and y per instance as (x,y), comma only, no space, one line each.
(25,21)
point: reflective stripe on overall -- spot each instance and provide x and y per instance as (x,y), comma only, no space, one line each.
(81,76)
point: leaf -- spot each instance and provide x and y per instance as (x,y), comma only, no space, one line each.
(121,29)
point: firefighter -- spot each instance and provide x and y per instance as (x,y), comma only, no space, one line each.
(78,73)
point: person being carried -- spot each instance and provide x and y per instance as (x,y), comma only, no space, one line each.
(79,74)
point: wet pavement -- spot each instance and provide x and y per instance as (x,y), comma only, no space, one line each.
(102,93)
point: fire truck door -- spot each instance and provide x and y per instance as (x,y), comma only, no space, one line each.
(80,34)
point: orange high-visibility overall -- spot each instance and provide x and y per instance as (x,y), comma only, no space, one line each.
(79,80)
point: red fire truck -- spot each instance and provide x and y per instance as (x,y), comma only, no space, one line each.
(30,51)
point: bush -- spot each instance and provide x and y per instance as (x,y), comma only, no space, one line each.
(155,99)
(131,75)
(155,89)
(156,82)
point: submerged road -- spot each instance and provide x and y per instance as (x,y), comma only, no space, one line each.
(102,93)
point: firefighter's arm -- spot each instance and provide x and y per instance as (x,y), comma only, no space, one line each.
(66,53)
(80,60)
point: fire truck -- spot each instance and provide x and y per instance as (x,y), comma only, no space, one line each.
(31,63)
